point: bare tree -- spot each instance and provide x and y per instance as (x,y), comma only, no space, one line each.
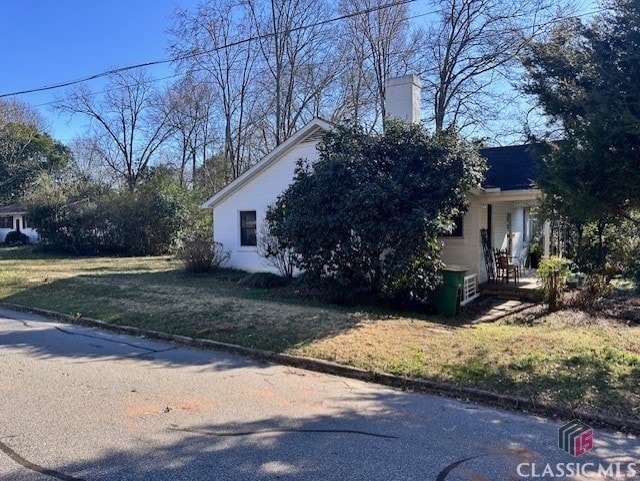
(88,161)
(15,111)
(471,50)
(127,125)
(188,104)
(355,100)
(294,46)
(382,44)
(17,115)
(215,46)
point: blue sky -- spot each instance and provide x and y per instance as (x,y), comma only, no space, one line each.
(44,42)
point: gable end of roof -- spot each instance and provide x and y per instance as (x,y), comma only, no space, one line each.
(309,133)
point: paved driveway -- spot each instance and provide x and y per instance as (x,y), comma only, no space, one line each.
(82,404)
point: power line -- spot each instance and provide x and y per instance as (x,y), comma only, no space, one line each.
(215,49)
(307,64)
(232,44)
(204,69)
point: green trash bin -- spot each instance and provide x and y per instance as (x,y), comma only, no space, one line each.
(448,295)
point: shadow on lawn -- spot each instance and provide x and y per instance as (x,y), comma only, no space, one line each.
(205,306)
(212,306)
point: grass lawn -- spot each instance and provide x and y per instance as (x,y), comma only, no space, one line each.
(573,359)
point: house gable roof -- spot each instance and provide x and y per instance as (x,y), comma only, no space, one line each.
(13,209)
(510,168)
(311,132)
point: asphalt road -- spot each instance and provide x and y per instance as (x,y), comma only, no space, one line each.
(82,404)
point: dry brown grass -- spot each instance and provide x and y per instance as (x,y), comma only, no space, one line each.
(571,358)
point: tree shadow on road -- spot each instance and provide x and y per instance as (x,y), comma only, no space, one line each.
(362,432)
(47,339)
(394,445)
(397,443)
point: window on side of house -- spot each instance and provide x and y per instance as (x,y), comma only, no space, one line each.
(457,227)
(6,222)
(248,226)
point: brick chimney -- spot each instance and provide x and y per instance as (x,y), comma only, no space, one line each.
(403,98)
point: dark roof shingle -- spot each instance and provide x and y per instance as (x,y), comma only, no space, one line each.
(509,168)
(12,209)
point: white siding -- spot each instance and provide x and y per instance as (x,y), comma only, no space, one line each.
(519,215)
(499,217)
(257,195)
(263,187)
(31,233)
(466,251)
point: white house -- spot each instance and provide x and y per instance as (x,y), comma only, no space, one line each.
(240,208)
(14,217)
(499,214)
(500,207)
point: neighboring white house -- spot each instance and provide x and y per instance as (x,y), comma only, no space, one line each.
(501,206)
(14,217)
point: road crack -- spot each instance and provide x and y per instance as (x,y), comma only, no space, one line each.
(106,339)
(34,467)
(442,475)
(281,430)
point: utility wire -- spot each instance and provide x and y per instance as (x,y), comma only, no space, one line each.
(202,69)
(215,49)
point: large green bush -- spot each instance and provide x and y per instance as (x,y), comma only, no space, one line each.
(69,216)
(84,217)
(367,215)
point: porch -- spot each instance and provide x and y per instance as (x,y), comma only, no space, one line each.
(527,288)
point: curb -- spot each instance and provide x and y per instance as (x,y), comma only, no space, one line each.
(467,394)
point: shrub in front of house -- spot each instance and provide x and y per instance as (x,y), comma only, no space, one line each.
(596,288)
(15,238)
(276,254)
(367,215)
(554,272)
(198,254)
(264,280)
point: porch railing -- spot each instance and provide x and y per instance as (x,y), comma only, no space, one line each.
(470,289)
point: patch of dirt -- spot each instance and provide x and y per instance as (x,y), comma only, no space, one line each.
(623,305)
(621,308)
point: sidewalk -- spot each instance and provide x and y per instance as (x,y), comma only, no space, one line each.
(490,309)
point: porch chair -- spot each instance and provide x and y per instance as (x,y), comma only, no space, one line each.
(504,267)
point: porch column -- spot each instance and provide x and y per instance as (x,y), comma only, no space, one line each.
(547,238)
